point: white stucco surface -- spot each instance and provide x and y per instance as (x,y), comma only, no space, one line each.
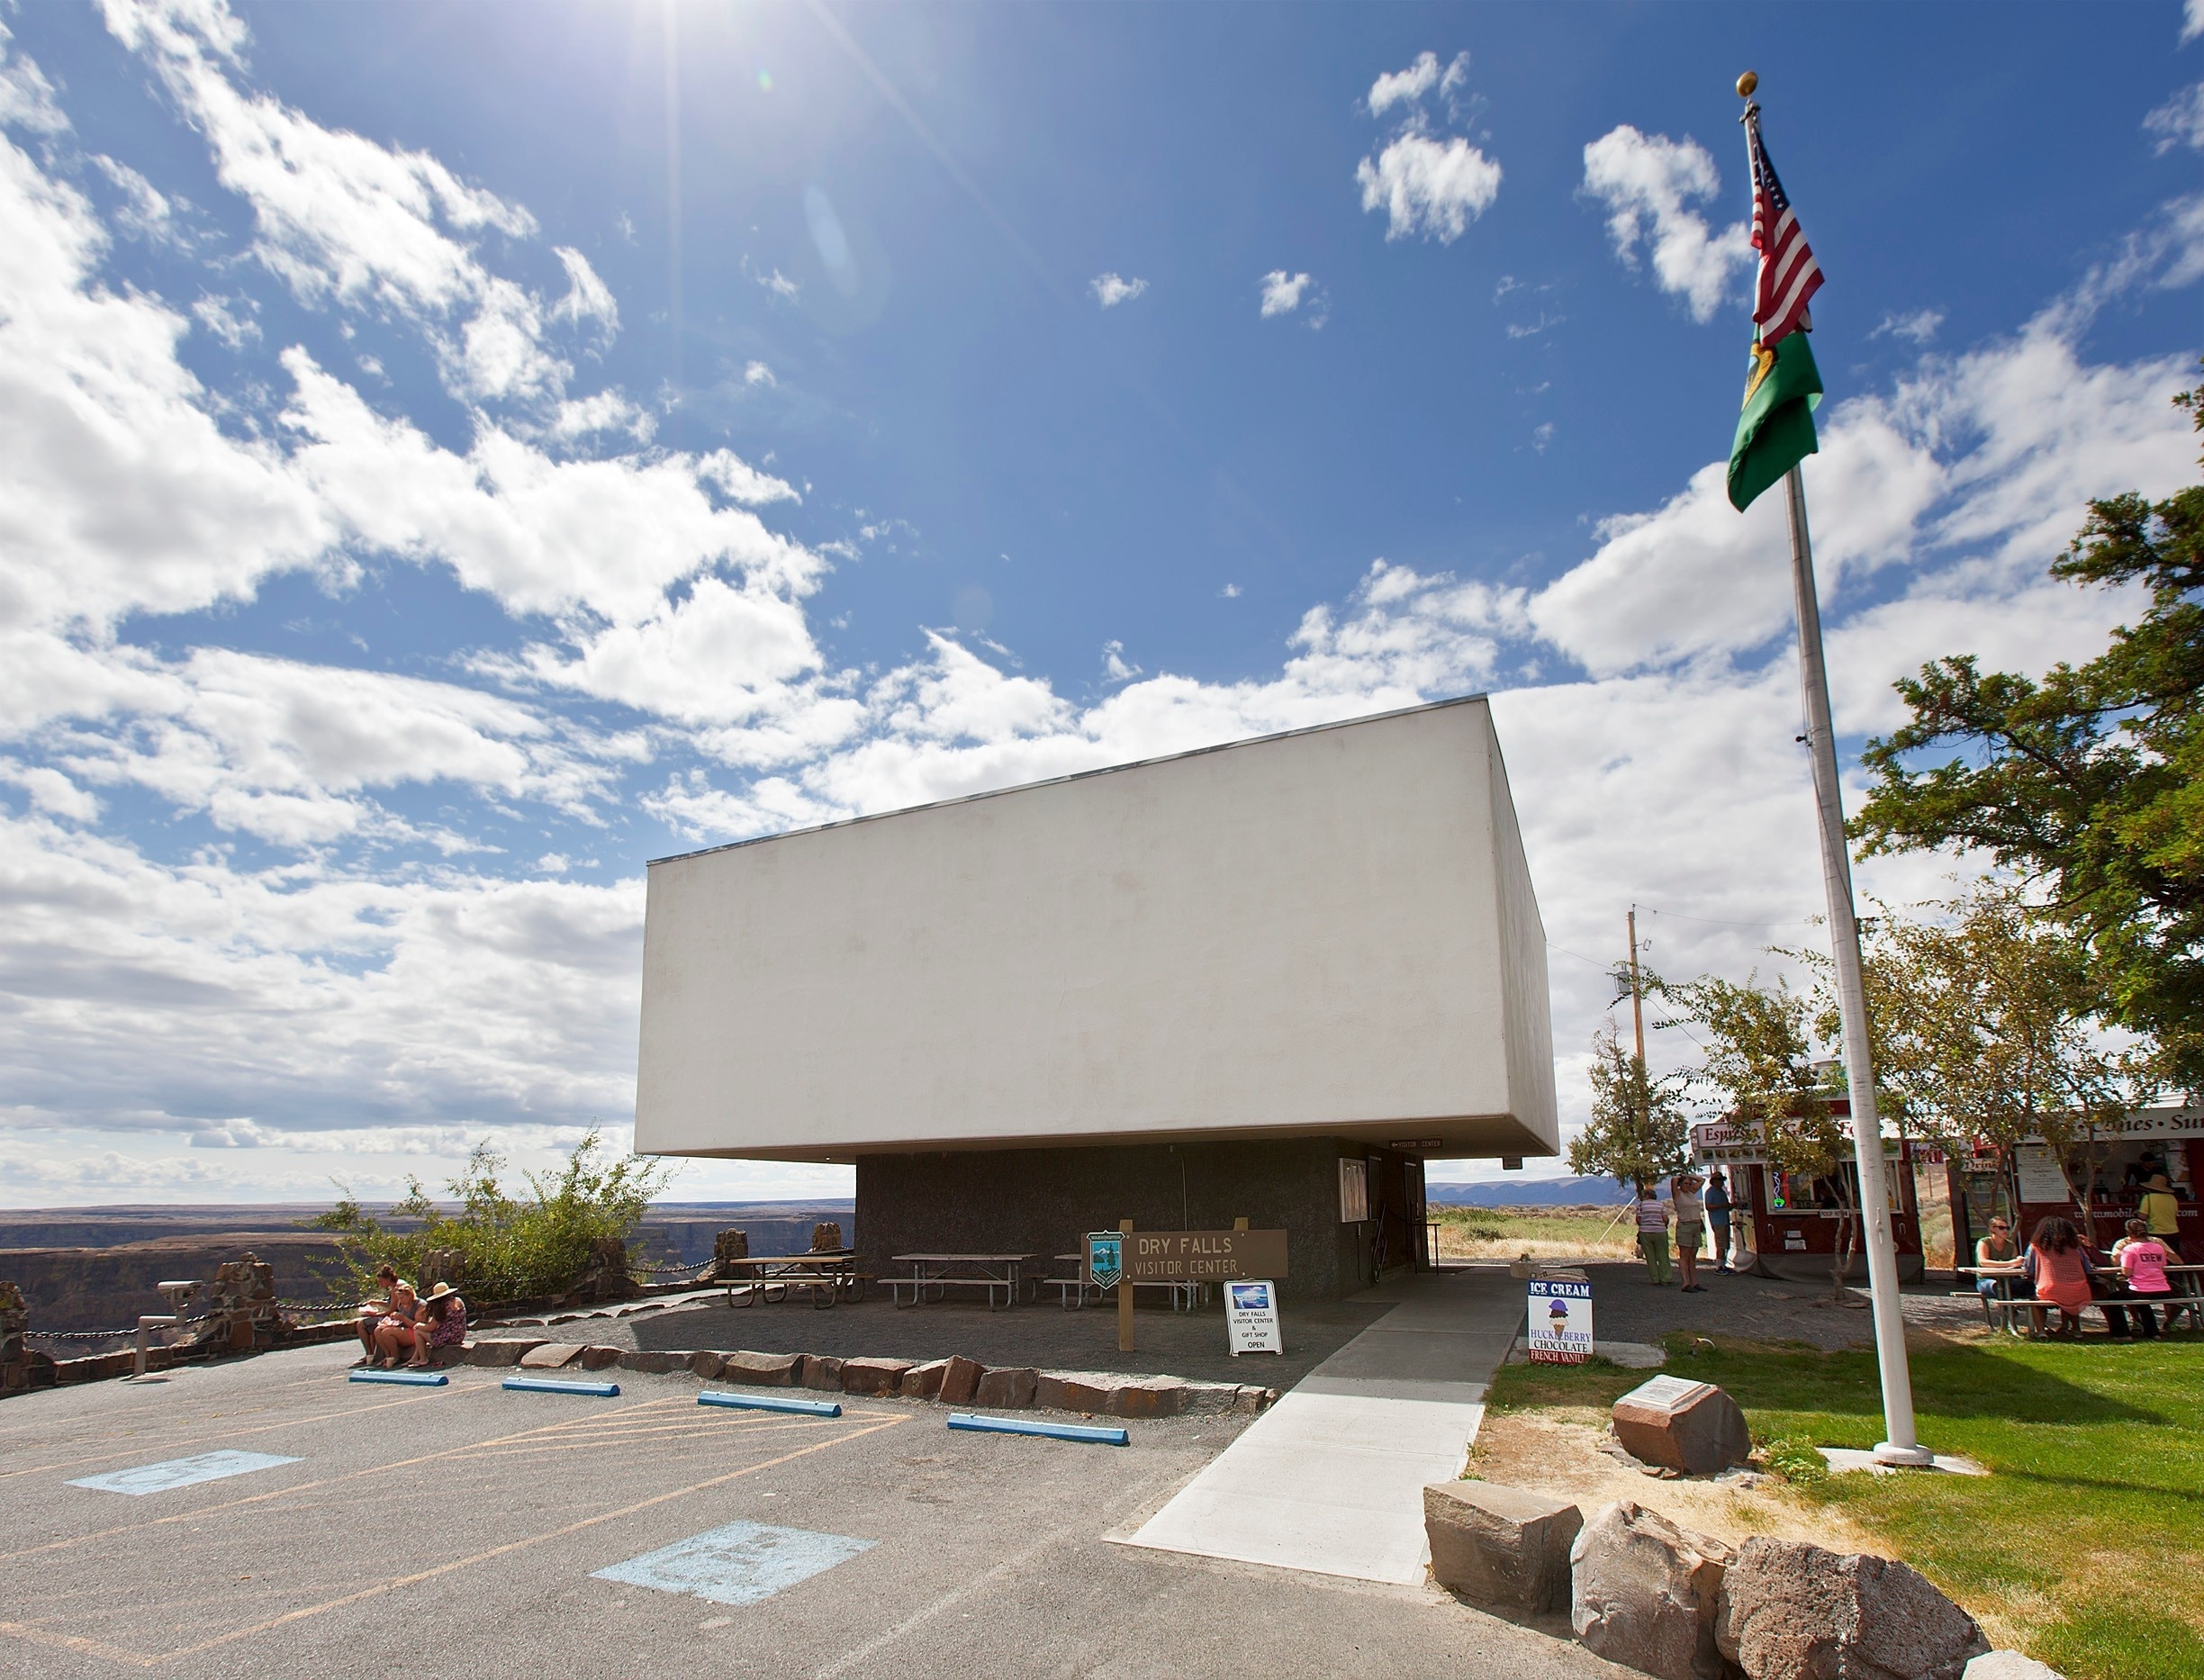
(1328,930)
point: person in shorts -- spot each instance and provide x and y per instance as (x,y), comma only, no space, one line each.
(441,1326)
(1690,1228)
(372,1312)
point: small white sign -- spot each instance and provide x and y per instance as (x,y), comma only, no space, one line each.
(1250,1316)
(2042,1177)
(1665,1394)
(1561,1321)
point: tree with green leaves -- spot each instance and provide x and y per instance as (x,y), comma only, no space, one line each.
(1988,1030)
(1638,1133)
(510,1247)
(1759,1066)
(2089,783)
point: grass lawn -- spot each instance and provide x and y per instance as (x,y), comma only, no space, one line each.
(2088,1536)
(1544,1232)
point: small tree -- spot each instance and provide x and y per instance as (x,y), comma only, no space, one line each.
(1638,1134)
(1990,1033)
(1759,1065)
(509,1248)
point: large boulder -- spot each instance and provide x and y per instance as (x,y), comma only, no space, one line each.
(1503,1548)
(873,1377)
(820,1370)
(961,1381)
(2010,1665)
(923,1382)
(706,1362)
(500,1350)
(1692,1427)
(1791,1609)
(599,1358)
(758,1370)
(654,1360)
(1008,1389)
(550,1356)
(1645,1592)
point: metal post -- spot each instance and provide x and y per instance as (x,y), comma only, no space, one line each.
(1901,1447)
(1124,1285)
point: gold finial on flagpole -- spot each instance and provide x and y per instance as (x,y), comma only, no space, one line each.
(1746,83)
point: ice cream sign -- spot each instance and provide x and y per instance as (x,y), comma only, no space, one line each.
(1561,1320)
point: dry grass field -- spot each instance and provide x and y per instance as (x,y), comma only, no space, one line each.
(1541,1232)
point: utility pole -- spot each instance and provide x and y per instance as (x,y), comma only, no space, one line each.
(1637,999)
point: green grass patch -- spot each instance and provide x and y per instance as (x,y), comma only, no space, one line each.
(2084,1536)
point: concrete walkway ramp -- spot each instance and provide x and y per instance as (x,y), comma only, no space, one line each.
(1331,1478)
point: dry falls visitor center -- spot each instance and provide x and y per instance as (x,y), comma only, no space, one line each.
(1262,981)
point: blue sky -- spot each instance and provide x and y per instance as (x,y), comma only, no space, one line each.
(448,455)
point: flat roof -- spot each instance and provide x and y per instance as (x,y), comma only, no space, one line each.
(1078,775)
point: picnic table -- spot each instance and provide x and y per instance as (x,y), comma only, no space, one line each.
(826,1275)
(1999,1310)
(944,1272)
(1185,1293)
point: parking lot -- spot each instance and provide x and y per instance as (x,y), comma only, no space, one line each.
(269,1517)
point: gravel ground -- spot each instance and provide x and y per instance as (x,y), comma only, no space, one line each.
(1625,1307)
(1045,1337)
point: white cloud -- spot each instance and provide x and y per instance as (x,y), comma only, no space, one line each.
(26,97)
(1110,289)
(1230,592)
(1918,327)
(1649,182)
(588,298)
(1282,292)
(758,373)
(229,319)
(2179,121)
(1116,667)
(2193,22)
(606,411)
(1436,189)
(145,212)
(780,286)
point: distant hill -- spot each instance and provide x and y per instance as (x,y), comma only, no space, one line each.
(1529,1193)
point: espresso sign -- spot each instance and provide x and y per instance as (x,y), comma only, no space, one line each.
(1203,1256)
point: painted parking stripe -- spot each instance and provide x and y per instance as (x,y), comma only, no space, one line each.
(740,1563)
(158,1478)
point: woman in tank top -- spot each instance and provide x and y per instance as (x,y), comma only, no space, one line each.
(2060,1267)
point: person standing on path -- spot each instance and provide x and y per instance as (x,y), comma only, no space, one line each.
(1690,1225)
(1653,1234)
(1716,1199)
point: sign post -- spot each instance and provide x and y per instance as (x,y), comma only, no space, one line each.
(1125,1289)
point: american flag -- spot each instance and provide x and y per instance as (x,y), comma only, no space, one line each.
(1789,275)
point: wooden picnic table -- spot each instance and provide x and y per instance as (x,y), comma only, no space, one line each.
(942,1272)
(2189,1299)
(826,1274)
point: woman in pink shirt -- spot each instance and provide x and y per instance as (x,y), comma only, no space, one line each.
(2060,1269)
(2143,1261)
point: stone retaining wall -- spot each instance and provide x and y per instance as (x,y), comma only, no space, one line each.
(953,1382)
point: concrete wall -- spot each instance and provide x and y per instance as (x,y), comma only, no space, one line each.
(1325,933)
(1042,1201)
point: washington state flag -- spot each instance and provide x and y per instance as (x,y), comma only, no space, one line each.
(1775,431)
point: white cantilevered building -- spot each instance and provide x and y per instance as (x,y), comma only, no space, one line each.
(1265,980)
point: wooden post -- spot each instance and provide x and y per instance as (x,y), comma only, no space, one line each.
(1124,1287)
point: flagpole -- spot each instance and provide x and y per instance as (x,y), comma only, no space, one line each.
(1901,1445)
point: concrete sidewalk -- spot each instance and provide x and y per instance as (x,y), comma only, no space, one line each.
(1331,1479)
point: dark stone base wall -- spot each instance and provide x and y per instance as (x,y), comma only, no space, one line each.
(1044,1201)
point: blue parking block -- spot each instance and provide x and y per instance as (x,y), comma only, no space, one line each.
(416,1380)
(549,1386)
(758,1403)
(739,1564)
(158,1478)
(1096,1434)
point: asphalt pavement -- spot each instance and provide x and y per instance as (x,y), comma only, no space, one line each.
(469,1529)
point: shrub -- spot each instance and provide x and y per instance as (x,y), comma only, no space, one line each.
(1795,1460)
(510,1248)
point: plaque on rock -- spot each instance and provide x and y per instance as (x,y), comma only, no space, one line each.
(1682,1425)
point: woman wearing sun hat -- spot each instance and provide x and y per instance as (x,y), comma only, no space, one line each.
(442,1324)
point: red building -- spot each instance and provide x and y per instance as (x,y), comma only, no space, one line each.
(1792,1224)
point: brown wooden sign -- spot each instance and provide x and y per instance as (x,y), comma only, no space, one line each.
(1203,1256)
